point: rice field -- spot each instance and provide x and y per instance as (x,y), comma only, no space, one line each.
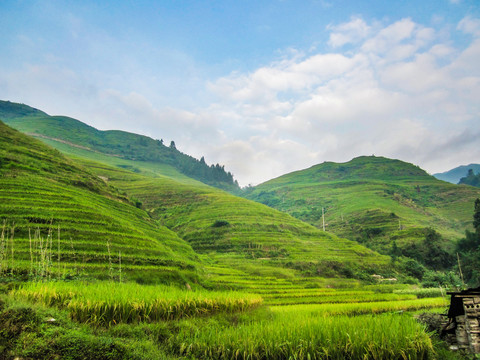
(107,303)
(302,334)
(264,318)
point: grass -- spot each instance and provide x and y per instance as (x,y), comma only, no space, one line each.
(297,335)
(372,200)
(234,325)
(107,303)
(42,191)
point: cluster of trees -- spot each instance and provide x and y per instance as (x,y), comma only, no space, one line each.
(214,175)
(142,148)
(471,179)
(468,249)
(431,252)
(433,263)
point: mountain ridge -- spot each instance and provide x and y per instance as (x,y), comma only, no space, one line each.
(118,143)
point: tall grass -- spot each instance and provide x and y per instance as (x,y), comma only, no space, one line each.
(296,335)
(354,309)
(106,303)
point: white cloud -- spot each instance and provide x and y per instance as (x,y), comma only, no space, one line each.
(352,32)
(400,90)
(470,25)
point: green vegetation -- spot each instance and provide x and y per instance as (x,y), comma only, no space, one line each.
(250,233)
(156,322)
(471,179)
(122,144)
(107,257)
(297,335)
(468,249)
(388,205)
(108,303)
(58,216)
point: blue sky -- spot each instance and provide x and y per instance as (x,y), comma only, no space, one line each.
(263,87)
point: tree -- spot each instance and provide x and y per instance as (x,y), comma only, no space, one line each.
(469,249)
(172,145)
(476,217)
(471,179)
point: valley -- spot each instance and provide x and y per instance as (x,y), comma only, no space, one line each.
(108,234)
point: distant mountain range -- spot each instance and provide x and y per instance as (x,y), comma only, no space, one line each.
(454,175)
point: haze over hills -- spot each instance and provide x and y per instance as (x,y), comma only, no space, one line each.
(112,142)
(373,200)
(454,175)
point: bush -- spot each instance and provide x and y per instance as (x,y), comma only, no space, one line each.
(220,223)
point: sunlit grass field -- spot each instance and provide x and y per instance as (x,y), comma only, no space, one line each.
(353,323)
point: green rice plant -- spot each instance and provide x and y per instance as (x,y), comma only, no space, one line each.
(358,297)
(354,309)
(106,303)
(297,335)
(422,292)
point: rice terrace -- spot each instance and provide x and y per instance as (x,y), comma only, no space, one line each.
(109,257)
(239,180)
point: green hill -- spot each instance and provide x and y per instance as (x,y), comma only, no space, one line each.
(95,209)
(62,220)
(373,200)
(125,145)
(234,233)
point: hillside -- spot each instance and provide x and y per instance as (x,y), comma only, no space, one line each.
(234,233)
(373,200)
(454,175)
(64,130)
(57,215)
(96,206)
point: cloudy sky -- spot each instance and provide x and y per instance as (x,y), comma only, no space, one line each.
(264,87)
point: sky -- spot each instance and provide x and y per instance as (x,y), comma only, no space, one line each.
(264,87)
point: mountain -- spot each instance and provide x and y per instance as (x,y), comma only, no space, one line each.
(375,201)
(454,175)
(164,224)
(62,129)
(57,215)
(233,232)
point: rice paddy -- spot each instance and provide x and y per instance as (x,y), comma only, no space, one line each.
(249,282)
(354,323)
(107,303)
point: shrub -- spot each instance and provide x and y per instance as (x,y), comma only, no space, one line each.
(220,223)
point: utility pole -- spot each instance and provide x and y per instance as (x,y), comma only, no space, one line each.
(323,218)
